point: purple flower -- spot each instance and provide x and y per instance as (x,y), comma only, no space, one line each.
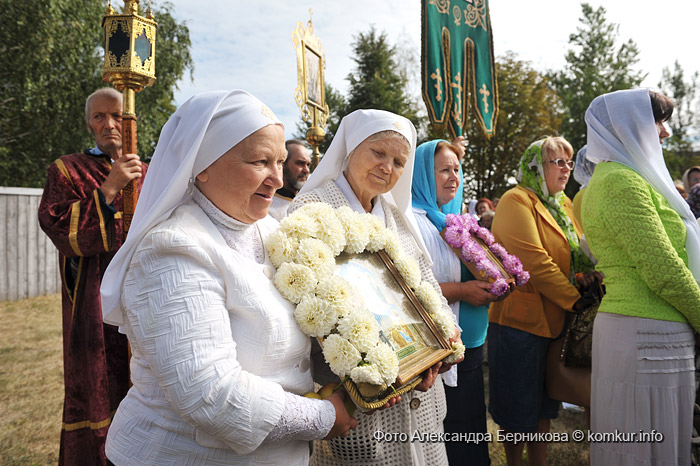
(485,235)
(487,268)
(499,287)
(512,264)
(471,252)
(522,278)
(453,236)
(499,251)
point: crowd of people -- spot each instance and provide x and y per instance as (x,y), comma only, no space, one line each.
(216,363)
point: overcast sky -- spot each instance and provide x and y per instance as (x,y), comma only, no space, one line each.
(247,44)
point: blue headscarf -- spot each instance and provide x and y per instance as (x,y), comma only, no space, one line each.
(473,319)
(423,190)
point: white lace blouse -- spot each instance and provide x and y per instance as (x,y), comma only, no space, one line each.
(218,362)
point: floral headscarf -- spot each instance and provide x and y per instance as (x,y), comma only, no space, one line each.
(531,176)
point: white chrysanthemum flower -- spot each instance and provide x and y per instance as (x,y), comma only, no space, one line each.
(444,322)
(367,374)
(316,318)
(386,361)
(392,246)
(316,210)
(298,226)
(377,233)
(337,292)
(409,270)
(458,350)
(331,232)
(360,328)
(281,248)
(340,355)
(429,298)
(295,281)
(356,233)
(316,255)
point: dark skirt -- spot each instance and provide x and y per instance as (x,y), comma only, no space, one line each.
(466,411)
(517,395)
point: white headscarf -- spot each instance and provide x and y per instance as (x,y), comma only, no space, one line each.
(583,170)
(203,129)
(621,128)
(355,128)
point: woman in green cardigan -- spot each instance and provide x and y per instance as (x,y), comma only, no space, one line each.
(648,246)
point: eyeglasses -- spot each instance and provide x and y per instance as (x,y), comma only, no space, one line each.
(561,163)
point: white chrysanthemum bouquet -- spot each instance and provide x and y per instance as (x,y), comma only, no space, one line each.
(304,250)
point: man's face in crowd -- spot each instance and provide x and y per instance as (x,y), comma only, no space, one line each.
(104,121)
(296,168)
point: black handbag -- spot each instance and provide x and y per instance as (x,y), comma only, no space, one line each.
(578,340)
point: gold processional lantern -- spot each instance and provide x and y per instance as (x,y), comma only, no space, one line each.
(310,93)
(130,66)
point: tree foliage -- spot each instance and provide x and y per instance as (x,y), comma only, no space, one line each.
(51,56)
(379,81)
(595,65)
(678,149)
(528,110)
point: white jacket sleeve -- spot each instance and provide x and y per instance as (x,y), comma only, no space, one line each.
(179,326)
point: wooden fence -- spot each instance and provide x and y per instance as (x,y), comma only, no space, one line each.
(28,258)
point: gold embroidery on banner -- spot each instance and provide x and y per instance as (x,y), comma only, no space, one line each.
(457,107)
(103,229)
(73,232)
(485,92)
(442,6)
(475,15)
(92,425)
(438,84)
(398,125)
(457,13)
(268,113)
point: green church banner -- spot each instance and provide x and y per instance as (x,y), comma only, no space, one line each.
(458,65)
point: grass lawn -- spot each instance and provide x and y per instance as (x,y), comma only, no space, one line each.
(31,391)
(31,381)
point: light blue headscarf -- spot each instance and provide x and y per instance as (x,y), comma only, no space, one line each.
(423,190)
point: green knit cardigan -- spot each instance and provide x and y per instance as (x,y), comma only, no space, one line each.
(639,241)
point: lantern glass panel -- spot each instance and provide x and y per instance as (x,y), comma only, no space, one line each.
(119,42)
(142,47)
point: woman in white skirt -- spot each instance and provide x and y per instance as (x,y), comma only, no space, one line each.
(648,246)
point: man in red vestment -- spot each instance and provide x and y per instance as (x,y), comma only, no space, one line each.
(81,211)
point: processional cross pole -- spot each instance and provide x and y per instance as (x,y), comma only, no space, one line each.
(129,66)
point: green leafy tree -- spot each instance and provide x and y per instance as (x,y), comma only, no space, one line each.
(595,64)
(678,149)
(379,79)
(51,55)
(529,109)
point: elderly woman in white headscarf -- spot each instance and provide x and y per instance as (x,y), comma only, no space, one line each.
(368,167)
(218,362)
(648,246)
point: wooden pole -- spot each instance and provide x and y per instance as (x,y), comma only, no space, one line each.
(130,192)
